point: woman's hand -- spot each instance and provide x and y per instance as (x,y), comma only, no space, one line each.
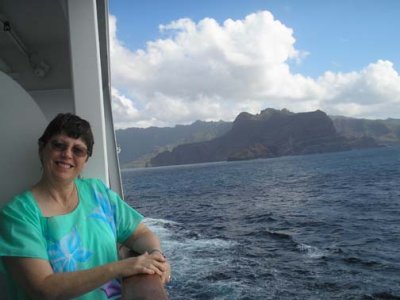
(166,274)
(144,239)
(143,264)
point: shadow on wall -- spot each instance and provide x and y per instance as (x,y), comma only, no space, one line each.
(21,123)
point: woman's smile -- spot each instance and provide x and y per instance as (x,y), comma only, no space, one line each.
(64,165)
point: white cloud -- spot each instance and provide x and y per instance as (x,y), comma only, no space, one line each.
(212,71)
(373,92)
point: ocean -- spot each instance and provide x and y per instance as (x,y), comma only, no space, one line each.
(322,226)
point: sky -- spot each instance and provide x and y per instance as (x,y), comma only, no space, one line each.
(178,61)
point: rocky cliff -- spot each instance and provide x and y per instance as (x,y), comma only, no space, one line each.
(384,131)
(138,145)
(270,133)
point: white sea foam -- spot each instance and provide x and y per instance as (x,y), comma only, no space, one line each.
(185,251)
(165,230)
(153,221)
(311,251)
(160,227)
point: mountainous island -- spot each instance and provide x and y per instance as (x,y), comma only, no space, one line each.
(271,133)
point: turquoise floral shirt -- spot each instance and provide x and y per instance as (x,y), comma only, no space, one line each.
(82,239)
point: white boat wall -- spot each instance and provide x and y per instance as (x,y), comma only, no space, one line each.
(54,57)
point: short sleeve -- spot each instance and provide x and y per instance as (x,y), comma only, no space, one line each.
(21,229)
(127,219)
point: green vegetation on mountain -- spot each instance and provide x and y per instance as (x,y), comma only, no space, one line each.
(384,131)
(270,133)
(139,145)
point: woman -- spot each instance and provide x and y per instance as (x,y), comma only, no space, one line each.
(59,239)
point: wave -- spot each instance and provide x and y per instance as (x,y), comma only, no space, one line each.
(382,296)
(359,261)
(198,263)
(286,237)
(260,219)
(312,252)
(276,234)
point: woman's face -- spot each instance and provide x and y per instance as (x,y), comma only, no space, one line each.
(63,157)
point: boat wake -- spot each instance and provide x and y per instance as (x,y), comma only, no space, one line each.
(198,263)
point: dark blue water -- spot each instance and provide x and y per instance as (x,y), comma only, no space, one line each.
(323,226)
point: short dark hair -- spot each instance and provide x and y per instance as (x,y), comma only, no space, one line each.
(70,125)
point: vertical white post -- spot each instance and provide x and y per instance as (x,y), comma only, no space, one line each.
(87,80)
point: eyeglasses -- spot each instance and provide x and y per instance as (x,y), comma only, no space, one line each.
(61,147)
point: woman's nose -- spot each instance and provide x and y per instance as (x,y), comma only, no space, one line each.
(67,152)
